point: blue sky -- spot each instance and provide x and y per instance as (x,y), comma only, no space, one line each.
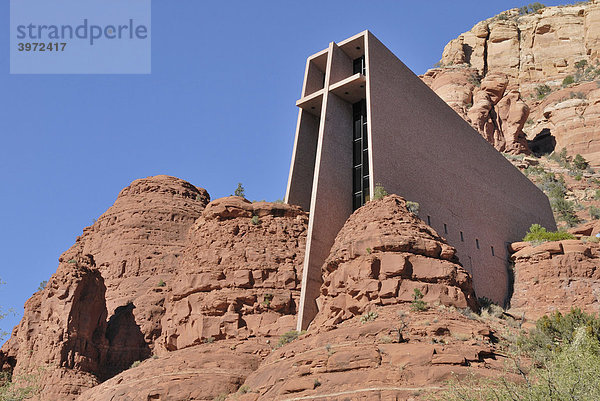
(218,109)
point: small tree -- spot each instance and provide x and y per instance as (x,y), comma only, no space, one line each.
(418,304)
(542,90)
(240,191)
(569,79)
(42,285)
(379,192)
(579,162)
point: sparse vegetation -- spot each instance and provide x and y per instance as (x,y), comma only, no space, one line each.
(594,212)
(538,233)
(555,189)
(209,340)
(369,251)
(489,308)
(255,220)
(22,387)
(569,79)
(267,300)
(240,191)
(42,285)
(579,162)
(475,80)
(368,317)
(413,207)
(542,91)
(72,261)
(565,210)
(161,283)
(220,397)
(135,364)
(565,350)
(244,389)
(418,304)
(379,192)
(288,337)
(316,383)
(531,8)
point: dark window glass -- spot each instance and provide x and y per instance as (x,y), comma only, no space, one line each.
(359,66)
(357,179)
(357,129)
(360,155)
(357,153)
(357,202)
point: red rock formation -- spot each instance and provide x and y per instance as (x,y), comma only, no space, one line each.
(240,274)
(196,373)
(497,113)
(381,255)
(534,52)
(395,356)
(139,241)
(555,276)
(117,262)
(60,340)
(399,351)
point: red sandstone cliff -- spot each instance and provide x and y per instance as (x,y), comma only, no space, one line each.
(515,76)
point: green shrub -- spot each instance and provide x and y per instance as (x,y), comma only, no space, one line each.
(255,220)
(209,340)
(161,283)
(535,7)
(240,191)
(267,300)
(368,317)
(19,388)
(569,79)
(542,91)
(418,304)
(581,64)
(565,350)
(379,192)
(135,364)
(244,389)
(413,207)
(594,212)
(289,337)
(538,233)
(42,285)
(579,162)
(578,177)
(566,211)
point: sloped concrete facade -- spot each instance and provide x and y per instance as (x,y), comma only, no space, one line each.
(419,148)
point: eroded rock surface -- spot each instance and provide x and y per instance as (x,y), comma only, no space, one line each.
(240,275)
(196,373)
(536,55)
(60,341)
(397,355)
(381,255)
(556,276)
